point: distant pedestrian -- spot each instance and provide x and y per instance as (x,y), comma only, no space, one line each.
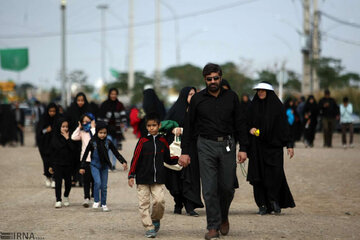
(20,123)
(84,132)
(311,113)
(61,164)
(99,147)
(244,102)
(268,133)
(329,112)
(151,104)
(346,110)
(112,111)
(147,167)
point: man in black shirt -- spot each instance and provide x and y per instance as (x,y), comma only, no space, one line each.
(216,120)
(329,112)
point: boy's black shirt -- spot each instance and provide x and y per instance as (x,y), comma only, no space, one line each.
(146,166)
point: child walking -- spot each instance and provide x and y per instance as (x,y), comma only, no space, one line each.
(99,146)
(147,166)
(84,132)
(61,166)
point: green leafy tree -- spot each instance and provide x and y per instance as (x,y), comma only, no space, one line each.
(331,73)
(121,84)
(267,75)
(293,82)
(185,75)
(239,82)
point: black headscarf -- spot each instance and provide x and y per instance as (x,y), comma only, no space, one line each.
(57,126)
(152,104)
(225,82)
(74,112)
(110,105)
(100,143)
(46,119)
(178,110)
(311,107)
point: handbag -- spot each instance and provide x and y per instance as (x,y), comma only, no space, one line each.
(175,151)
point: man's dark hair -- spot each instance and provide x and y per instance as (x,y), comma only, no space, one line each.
(211,68)
(345,99)
(152,116)
(327,92)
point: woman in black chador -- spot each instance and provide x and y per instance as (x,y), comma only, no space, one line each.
(151,104)
(44,132)
(184,185)
(311,112)
(78,107)
(268,134)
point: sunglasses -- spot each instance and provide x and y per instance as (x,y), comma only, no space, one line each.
(208,79)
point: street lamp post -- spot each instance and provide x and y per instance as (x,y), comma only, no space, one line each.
(64,100)
(103,8)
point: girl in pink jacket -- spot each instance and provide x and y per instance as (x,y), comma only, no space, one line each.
(84,132)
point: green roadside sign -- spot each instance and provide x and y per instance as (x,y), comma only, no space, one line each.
(14,59)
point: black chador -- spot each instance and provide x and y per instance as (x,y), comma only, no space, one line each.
(184,185)
(265,152)
(44,131)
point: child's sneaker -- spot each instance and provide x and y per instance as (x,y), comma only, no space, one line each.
(86,203)
(150,233)
(105,208)
(66,202)
(58,204)
(156,225)
(96,205)
(53,184)
(47,182)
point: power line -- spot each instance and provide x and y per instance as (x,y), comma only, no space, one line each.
(140,24)
(342,40)
(340,20)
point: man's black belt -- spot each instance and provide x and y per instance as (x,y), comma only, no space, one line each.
(217,139)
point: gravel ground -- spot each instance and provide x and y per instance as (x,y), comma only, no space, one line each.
(325,184)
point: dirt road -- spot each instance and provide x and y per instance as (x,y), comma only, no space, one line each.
(325,184)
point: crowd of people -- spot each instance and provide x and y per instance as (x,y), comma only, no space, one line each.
(81,145)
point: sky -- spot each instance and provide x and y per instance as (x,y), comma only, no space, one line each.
(254,34)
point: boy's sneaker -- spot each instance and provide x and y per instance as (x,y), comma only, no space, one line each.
(58,204)
(86,203)
(156,225)
(96,205)
(66,202)
(150,233)
(53,184)
(47,182)
(105,208)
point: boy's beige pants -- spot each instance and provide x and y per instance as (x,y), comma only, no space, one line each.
(157,193)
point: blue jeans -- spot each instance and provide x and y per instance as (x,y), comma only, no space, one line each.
(100,176)
(111,155)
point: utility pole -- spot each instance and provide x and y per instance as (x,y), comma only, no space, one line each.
(131,75)
(64,101)
(157,47)
(315,46)
(103,8)
(306,50)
